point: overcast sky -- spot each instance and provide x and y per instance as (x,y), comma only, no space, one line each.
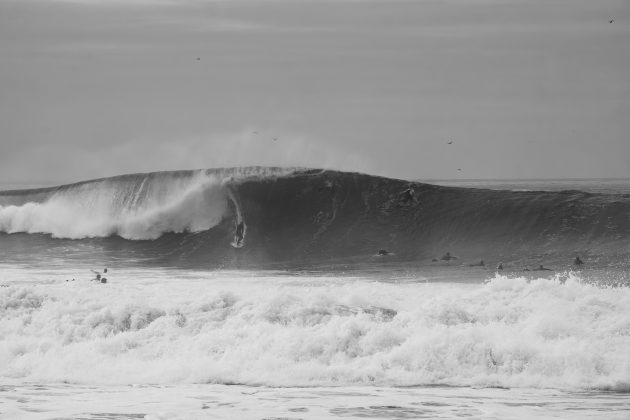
(522,88)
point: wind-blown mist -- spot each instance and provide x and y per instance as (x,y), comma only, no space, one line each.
(248,147)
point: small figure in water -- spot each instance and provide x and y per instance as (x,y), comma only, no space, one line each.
(448,257)
(541,268)
(578,261)
(500,266)
(240,231)
(98,277)
(479,264)
(383,252)
(407,196)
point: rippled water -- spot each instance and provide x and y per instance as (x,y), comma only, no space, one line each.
(36,401)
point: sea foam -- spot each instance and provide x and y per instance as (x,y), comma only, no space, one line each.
(296,331)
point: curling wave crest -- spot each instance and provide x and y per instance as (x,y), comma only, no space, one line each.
(138,207)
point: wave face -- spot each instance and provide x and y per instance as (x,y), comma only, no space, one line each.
(257,216)
(510,332)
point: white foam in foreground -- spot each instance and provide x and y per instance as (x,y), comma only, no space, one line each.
(225,328)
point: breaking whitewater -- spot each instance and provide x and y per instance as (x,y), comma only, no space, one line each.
(260,293)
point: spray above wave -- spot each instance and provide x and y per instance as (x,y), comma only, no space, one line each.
(510,333)
(136,207)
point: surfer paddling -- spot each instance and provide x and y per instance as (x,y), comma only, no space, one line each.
(448,257)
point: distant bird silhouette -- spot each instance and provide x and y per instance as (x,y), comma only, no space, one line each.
(450,142)
(459,169)
(198,58)
(275,138)
(254,132)
(611,21)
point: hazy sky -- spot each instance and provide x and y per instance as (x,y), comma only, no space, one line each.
(523,88)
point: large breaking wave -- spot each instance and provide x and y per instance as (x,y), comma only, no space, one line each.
(302,216)
(143,206)
(133,211)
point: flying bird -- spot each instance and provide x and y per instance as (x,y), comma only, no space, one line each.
(198,58)
(459,169)
(611,21)
(450,142)
(275,138)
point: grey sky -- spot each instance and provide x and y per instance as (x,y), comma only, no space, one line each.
(523,88)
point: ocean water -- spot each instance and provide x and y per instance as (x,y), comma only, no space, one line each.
(595,185)
(193,323)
